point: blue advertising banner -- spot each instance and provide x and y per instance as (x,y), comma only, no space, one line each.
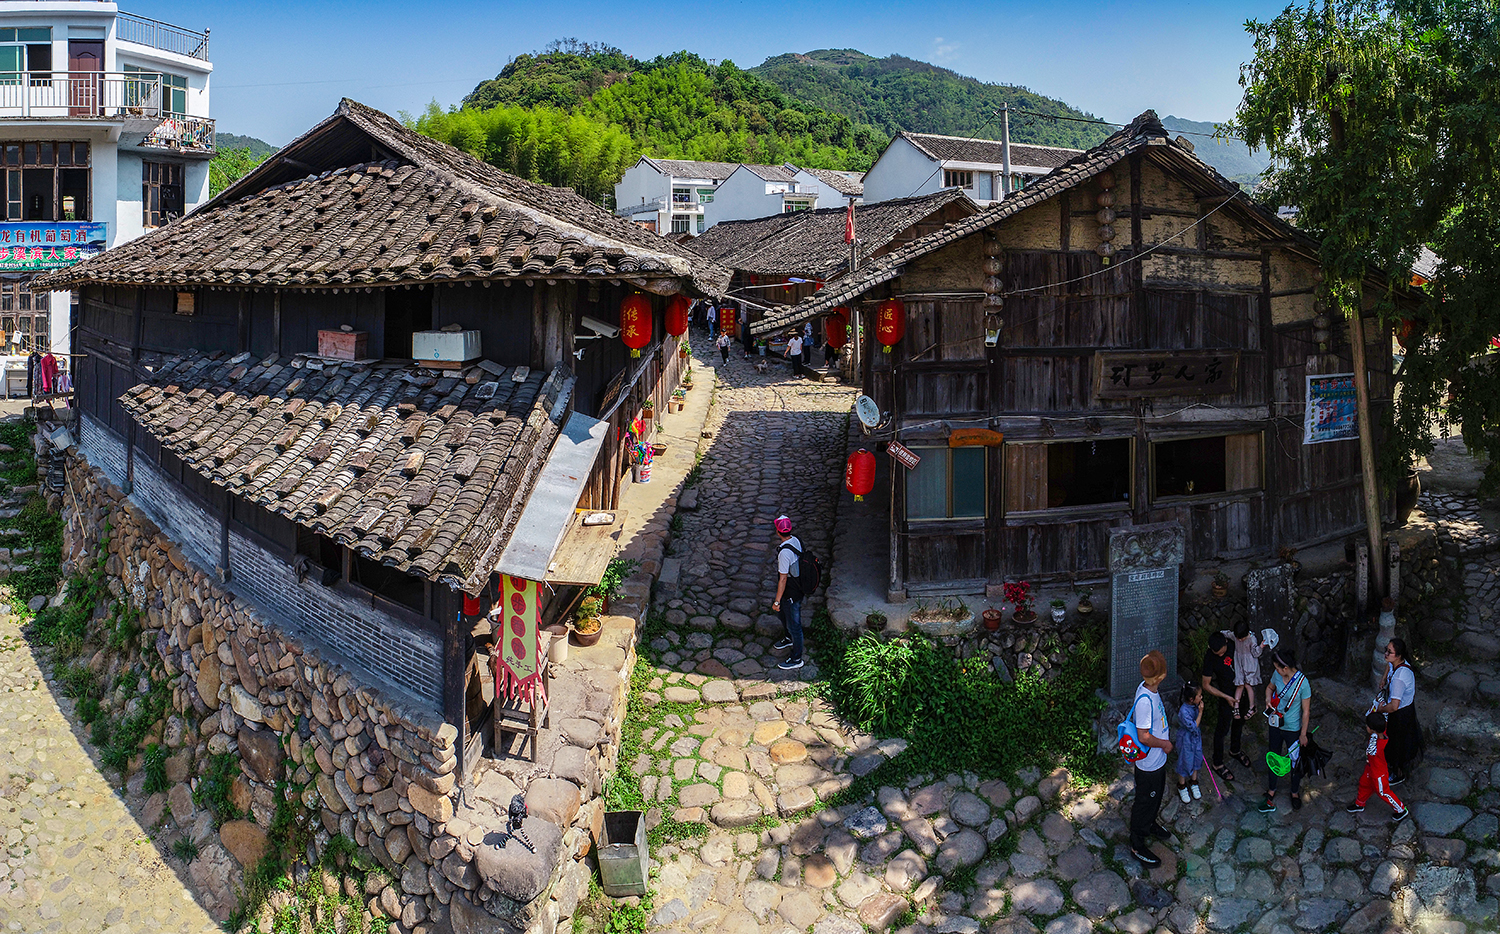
(41,245)
(1332,414)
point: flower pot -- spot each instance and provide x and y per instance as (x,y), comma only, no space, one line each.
(1085,607)
(658,449)
(1407,494)
(992,619)
(1059,613)
(1219,590)
(1024,616)
(682,354)
(585,639)
(944,626)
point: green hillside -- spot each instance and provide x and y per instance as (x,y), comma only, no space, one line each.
(680,106)
(1232,158)
(257,147)
(898,93)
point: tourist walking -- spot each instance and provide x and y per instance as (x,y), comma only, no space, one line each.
(1218,682)
(723,343)
(1377,778)
(1396,701)
(794,350)
(1150,717)
(807,344)
(712,314)
(788,603)
(1288,707)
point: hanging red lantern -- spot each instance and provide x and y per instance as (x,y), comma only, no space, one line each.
(859,475)
(472,606)
(635,322)
(836,327)
(677,315)
(1404,331)
(890,323)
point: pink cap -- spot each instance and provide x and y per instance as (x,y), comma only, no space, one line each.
(783,525)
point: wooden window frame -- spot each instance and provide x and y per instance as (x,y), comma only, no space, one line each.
(1260,487)
(378,601)
(959,178)
(151,220)
(14,160)
(926,520)
(15,290)
(1090,509)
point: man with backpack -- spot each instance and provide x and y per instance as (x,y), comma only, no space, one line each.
(797,577)
(1150,718)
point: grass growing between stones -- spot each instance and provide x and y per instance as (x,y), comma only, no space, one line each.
(622,790)
(956,714)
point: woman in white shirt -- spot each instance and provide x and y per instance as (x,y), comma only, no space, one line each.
(1403,751)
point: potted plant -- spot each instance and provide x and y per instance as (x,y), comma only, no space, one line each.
(1221,585)
(687,379)
(947,618)
(648,407)
(1018,594)
(587,626)
(760,347)
(1085,604)
(608,587)
(1059,610)
(683,348)
(679,398)
(992,618)
(875,621)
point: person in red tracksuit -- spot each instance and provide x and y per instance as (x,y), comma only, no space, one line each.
(1377,777)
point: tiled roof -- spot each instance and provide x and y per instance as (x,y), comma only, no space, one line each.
(811,243)
(959,149)
(845,183)
(774,173)
(418,211)
(1145,131)
(425,471)
(687,168)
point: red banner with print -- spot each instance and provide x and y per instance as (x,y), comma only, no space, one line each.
(518,617)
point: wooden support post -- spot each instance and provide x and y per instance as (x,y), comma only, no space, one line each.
(1366,447)
(276,321)
(455,667)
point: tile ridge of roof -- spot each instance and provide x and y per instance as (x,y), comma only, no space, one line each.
(678,264)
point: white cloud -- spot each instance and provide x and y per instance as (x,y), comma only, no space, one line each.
(943,51)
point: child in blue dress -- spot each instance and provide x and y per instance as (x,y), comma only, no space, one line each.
(1190,743)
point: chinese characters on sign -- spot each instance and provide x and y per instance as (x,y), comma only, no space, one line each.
(903,455)
(1331,410)
(39,246)
(1133,374)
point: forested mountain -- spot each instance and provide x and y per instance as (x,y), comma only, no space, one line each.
(257,147)
(898,93)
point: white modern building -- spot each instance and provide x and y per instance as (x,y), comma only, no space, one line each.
(104,133)
(921,163)
(680,196)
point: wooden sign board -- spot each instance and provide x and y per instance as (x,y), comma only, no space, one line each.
(1135,374)
(975,437)
(903,455)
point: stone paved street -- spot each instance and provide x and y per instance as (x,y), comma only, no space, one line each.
(750,754)
(76,859)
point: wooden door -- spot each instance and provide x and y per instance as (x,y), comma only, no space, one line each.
(85,66)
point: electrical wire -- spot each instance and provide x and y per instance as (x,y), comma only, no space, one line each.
(1033,113)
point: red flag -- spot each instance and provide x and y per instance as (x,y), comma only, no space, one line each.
(849,225)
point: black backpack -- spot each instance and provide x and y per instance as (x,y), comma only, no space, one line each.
(809,572)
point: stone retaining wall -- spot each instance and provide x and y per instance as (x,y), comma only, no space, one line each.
(375,768)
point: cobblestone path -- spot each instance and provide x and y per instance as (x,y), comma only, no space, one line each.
(76,859)
(747,752)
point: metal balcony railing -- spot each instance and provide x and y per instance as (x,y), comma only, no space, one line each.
(109,94)
(158,35)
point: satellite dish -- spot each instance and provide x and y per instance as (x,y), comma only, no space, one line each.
(867,411)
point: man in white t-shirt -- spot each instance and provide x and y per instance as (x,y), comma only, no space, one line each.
(794,350)
(1150,716)
(788,603)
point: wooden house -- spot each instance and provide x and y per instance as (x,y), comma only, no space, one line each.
(357,494)
(1166,381)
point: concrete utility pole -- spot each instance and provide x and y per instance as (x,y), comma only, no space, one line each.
(1004,151)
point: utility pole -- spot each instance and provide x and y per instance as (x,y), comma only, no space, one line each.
(856,338)
(1004,151)
(1367,449)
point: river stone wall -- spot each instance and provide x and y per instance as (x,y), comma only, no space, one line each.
(376,768)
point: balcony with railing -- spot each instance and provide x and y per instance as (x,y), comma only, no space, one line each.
(135,97)
(162,36)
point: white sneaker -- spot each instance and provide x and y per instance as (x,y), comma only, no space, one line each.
(1197,792)
(1182,793)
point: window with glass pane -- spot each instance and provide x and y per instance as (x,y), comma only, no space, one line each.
(23,318)
(948,483)
(46,180)
(682,223)
(25,49)
(161,192)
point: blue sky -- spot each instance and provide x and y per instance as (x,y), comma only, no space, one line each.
(279,67)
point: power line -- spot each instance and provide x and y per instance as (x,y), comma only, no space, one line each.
(1033,113)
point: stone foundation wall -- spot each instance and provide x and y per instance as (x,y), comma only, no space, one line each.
(375,768)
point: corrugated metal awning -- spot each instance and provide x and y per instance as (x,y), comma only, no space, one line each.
(549,510)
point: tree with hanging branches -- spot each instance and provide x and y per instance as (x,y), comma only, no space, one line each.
(1383,118)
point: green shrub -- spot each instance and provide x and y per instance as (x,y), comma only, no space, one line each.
(185,849)
(155,767)
(212,793)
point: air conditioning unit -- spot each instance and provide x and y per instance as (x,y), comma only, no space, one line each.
(445,348)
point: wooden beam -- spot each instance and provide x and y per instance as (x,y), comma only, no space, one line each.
(455,666)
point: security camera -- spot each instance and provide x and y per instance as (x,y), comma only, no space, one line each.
(600,328)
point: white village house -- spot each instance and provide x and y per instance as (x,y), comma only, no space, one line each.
(921,163)
(681,196)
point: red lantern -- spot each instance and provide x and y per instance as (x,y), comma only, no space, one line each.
(859,475)
(1404,331)
(472,606)
(635,322)
(836,326)
(890,323)
(677,315)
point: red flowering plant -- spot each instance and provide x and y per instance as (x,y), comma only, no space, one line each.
(1019,595)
